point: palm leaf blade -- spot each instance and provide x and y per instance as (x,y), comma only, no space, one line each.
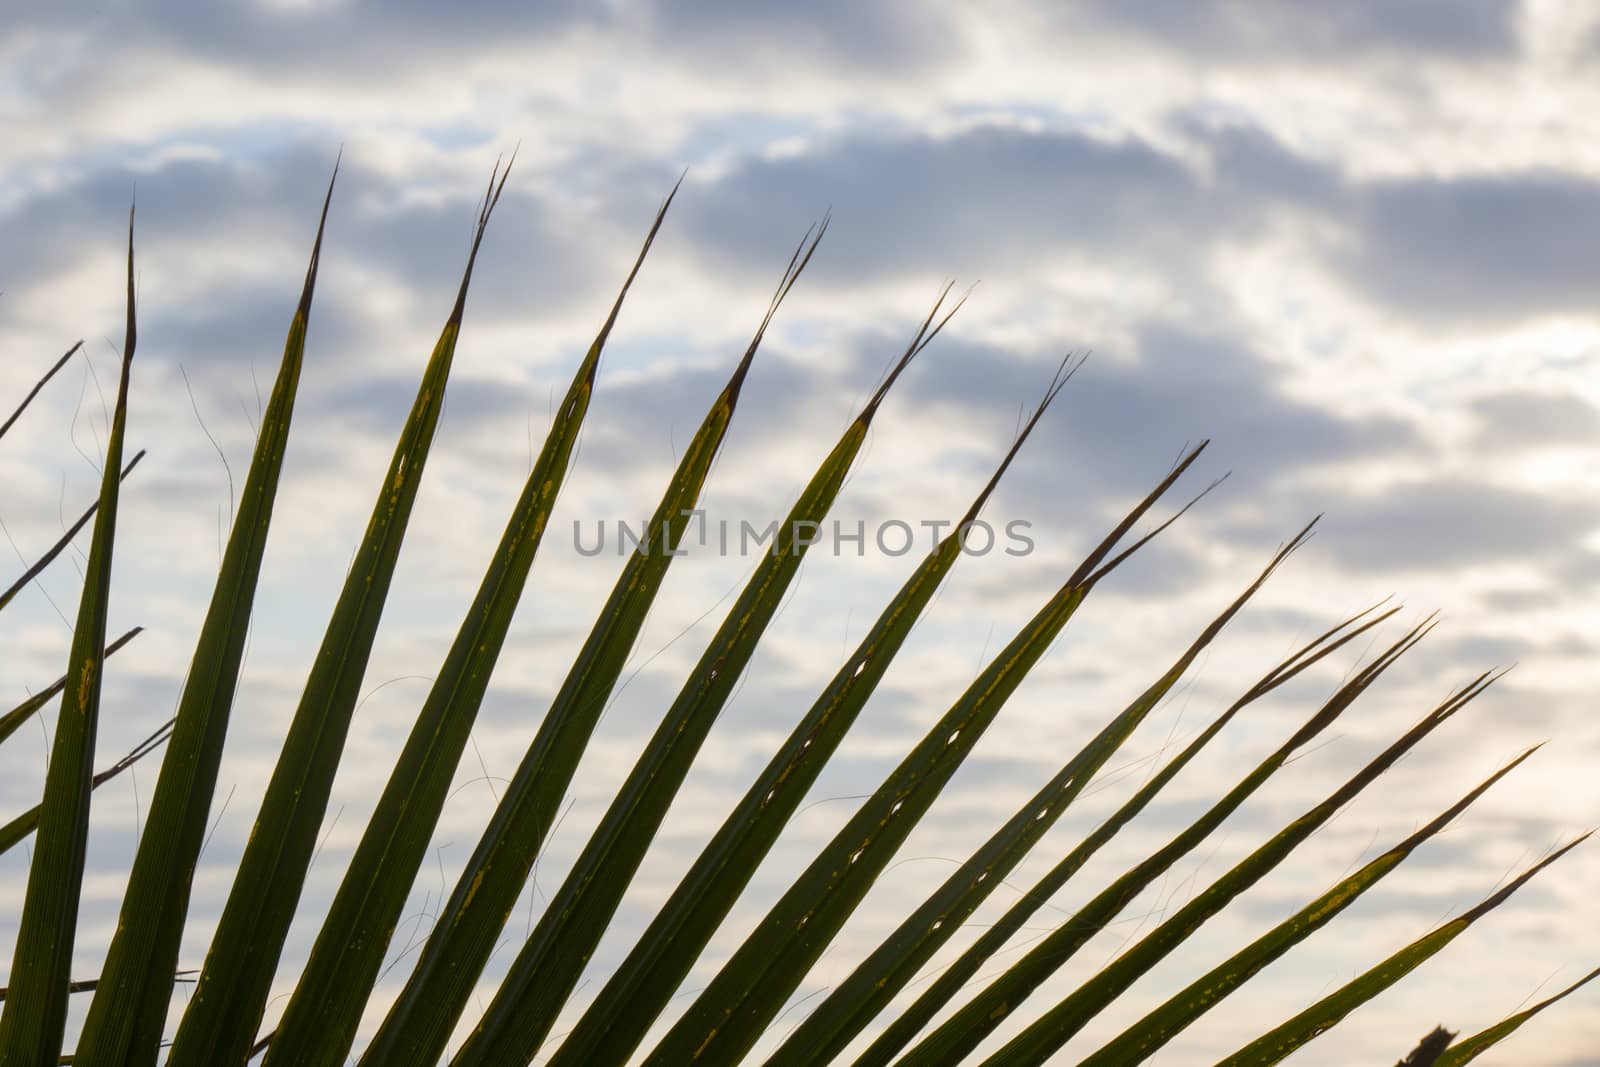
(1143,1038)
(319,1022)
(964,1030)
(422,1017)
(1468,1049)
(905,1026)
(1041,1039)
(33,1025)
(871,985)
(38,387)
(129,1009)
(1322,1016)
(727,1018)
(641,987)
(551,962)
(230,996)
(11,720)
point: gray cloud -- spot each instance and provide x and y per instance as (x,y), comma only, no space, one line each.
(1281,30)
(1517,419)
(193,211)
(1452,524)
(988,201)
(867,38)
(320,40)
(998,201)
(1462,249)
(1122,421)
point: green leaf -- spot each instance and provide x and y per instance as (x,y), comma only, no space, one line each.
(1142,1039)
(5,427)
(1468,1049)
(550,963)
(61,544)
(34,1022)
(231,995)
(1322,1016)
(11,720)
(1040,1040)
(420,1021)
(857,1000)
(905,1026)
(616,1022)
(964,1030)
(728,1017)
(129,1010)
(19,828)
(319,1023)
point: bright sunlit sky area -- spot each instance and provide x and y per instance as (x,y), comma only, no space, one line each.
(1356,245)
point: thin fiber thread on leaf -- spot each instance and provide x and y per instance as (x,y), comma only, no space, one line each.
(20,827)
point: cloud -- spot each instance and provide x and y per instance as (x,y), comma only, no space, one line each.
(1122,421)
(1465,249)
(1281,31)
(992,199)
(1518,419)
(884,38)
(1452,524)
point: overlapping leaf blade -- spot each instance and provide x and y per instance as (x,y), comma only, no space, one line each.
(129,1009)
(1145,1037)
(11,720)
(230,996)
(907,1024)
(551,962)
(964,1030)
(33,1024)
(640,988)
(39,565)
(319,1023)
(1322,1016)
(1045,1035)
(874,982)
(729,1016)
(420,1021)
(20,827)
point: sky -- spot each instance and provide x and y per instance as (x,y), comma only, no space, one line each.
(1355,246)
